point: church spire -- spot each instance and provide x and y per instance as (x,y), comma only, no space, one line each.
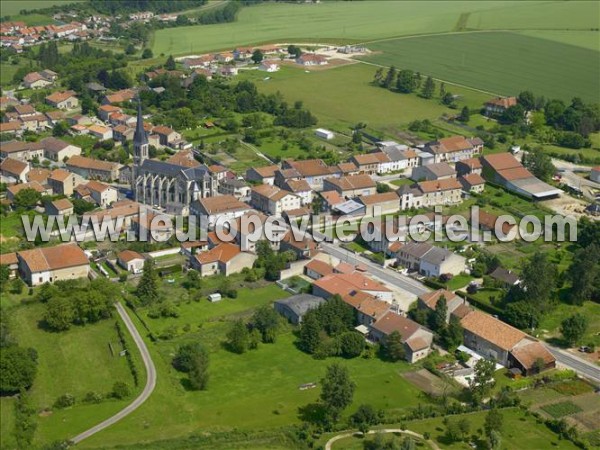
(140,137)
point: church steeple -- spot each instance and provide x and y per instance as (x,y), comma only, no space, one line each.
(140,136)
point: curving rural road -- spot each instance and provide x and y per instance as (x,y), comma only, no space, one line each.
(389,430)
(150,380)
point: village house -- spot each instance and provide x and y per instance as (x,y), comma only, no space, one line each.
(55,117)
(198,62)
(222,208)
(13,127)
(131,261)
(499,105)
(63,100)
(63,182)
(273,200)
(294,308)
(269,66)
(303,248)
(105,111)
(5,102)
(57,149)
(316,269)
(368,308)
(455,305)
(468,166)
(49,264)
(101,133)
(311,59)
(150,227)
(330,200)
(373,163)
(167,136)
(417,339)
(12,191)
(14,170)
(314,171)
(190,248)
(401,157)
(93,169)
(238,187)
(351,186)
(505,278)
(24,151)
(301,188)
(430,260)
(431,172)
(492,338)
(102,194)
(472,182)
(248,237)
(38,175)
(60,207)
(37,122)
(595,174)
(453,149)
(225,259)
(11,261)
(380,204)
(35,80)
(343,284)
(122,96)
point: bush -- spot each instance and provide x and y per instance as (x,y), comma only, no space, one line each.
(93,397)
(64,401)
(120,390)
(352,344)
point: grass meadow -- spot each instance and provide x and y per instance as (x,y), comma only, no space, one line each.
(14,7)
(499,62)
(343,96)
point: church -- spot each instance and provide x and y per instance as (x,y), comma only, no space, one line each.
(172,184)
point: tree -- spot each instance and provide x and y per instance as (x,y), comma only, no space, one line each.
(364,417)
(442,89)
(147,289)
(295,51)
(352,344)
(495,440)
(408,443)
(428,88)
(60,129)
(527,100)
(170,64)
(383,188)
(59,313)
(18,367)
(439,315)
(539,163)
(147,53)
(464,427)
(337,390)
(538,280)
(120,390)
(453,432)
(390,78)
(4,276)
(483,379)
(378,77)
(464,115)
(584,274)
(394,348)
(513,115)
(257,56)
(453,334)
(448,99)
(573,328)
(238,337)
(198,373)
(130,49)
(266,321)
(27,198)
(493,422)
(310,333)
(183,360)
(406,82)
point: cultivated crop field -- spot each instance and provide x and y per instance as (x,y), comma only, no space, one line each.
(499,62)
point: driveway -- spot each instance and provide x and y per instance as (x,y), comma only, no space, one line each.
(148,388)
(390,430)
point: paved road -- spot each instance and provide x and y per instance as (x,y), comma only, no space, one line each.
(387,430)
(582,367)
(389,276)
(150,380)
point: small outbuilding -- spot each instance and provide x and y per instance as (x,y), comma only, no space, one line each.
(295,307)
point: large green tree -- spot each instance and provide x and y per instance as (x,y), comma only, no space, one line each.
(310,333)
(27,198)
(337,390)
(266,321)
(584,274)
(147,289)
(394,347)
(428,89)
(238,337)
(483,381)
(18,367)
(59,314)
(406,82)
(573,328)
(539,163)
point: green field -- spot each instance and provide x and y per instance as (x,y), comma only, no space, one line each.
(366,21)
(343,96)
(75,362)
(499,62)
(13,7)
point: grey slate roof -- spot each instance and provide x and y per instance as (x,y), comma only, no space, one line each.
(300,304)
